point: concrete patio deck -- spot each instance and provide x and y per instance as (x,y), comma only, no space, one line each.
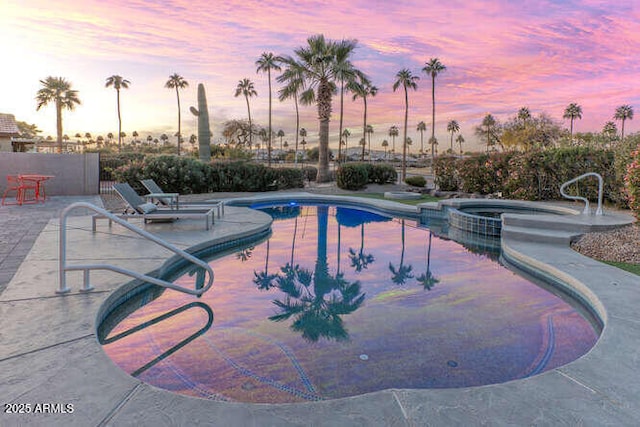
(49,352)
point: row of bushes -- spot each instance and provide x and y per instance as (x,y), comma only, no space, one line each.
(533,175)
(186,175)
(355,176)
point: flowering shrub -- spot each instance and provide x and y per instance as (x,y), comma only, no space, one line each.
(632,183)
(446,173)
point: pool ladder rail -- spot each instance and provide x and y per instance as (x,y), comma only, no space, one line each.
(86,268)
(586,210)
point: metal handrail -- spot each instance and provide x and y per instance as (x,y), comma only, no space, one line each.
(86,268)
(586,210)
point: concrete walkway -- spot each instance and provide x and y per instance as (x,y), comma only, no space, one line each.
(49,353)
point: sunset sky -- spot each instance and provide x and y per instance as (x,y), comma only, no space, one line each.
(500,56)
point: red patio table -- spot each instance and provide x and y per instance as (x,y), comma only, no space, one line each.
(38,181)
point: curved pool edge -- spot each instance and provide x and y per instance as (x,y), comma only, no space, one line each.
(515,253)
(599,388)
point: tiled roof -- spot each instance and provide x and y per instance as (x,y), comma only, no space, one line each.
(8,125)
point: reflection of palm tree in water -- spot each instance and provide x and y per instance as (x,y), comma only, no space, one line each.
(400,276)
(263,279)
(317,300)
(360,260)
(245,254)
(427,279)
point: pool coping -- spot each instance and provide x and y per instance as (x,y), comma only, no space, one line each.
(65,363)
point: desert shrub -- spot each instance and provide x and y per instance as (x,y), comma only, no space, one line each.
(416,181)
(632,183)
(382,174)
(446,173)
(353,176)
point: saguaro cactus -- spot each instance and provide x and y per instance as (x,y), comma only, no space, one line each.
(204,133)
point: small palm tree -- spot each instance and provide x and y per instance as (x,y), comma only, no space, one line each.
(177,82)
(362,88)
(118,83)
(610,131)
(453,127)
(407,80)
(460,141)
(572,112)
(393,132)
(385,145)
(369,132)
(293,84)
(267,62)
(58,91)
(524,114)
(623,113)
(433,67)
(346,133)
(245,87)
(135,136)
(280,135)
(422,127)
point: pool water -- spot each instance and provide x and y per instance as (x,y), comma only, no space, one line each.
(340,302)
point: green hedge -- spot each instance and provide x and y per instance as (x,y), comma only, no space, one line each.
(187,175)
(532,175)
(355,176)
(416,181)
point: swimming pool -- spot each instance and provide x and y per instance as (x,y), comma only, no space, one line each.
(340,302)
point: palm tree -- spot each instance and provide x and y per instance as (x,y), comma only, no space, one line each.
(453,127)
(610,131)
(524,114)
(280,134)
(369,132)
(487,129)
(433,67)
(110,137)
(346,133)
(118,83)
(422,127)
(57,90)
(400,276)
(177,82)
(460,141)
(427,279)
(294,83)
(318,64)
(149,139)
(303,135)
(623,113)
(164,138)
(572,112)
(405,79)
(385,144)
(345,73)
(135,136)
(245,88)
(393,132)
(362,88)
(267,62)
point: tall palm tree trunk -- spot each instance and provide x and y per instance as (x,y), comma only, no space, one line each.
(119,121)
(622,131)
(341,117)
(179,121)
(324,115)
(269,147)
(59,125)
(404,138)
(246,97)
(295,100)
(364,127)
